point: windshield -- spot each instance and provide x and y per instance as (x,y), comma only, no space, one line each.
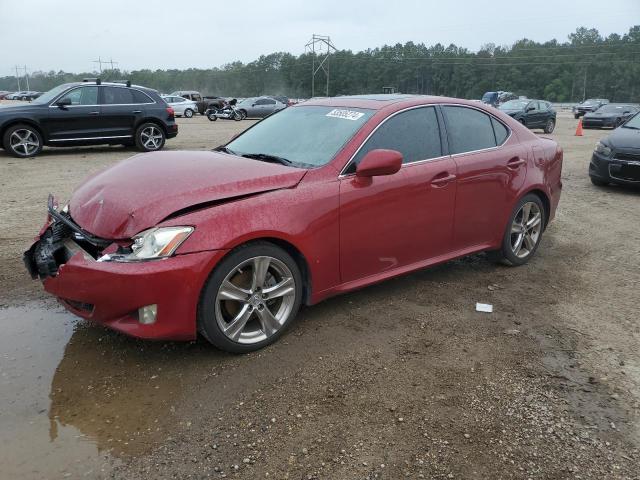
(633,123)
(308,136)
(51,94)
(611,108)
(514,105)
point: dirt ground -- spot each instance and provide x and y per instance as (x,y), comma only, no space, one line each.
(400,380)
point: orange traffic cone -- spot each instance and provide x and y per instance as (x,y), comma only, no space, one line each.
(579,129)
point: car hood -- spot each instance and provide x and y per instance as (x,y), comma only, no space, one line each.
(624,140)
(602,115)
(13,110)
(138,193)
(511,111)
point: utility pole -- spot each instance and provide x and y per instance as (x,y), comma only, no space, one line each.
(317,45)
(584,84)
(17,78)
(26,76)
(112,63)
(99,62)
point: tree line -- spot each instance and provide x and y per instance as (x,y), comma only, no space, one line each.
(586,65)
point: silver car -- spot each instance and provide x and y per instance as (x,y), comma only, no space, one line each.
(259,107)
(182,106)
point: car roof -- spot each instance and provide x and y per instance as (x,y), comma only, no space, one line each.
(382,101)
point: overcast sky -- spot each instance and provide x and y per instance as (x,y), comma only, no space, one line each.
(69,34)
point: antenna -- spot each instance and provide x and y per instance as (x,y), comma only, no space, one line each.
(317,46)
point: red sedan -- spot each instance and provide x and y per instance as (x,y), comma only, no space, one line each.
(319,199)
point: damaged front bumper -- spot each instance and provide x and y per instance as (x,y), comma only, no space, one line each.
(112,293)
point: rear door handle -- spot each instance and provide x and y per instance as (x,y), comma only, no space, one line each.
(137,111)
(94,113)
(442,181)
(515,163)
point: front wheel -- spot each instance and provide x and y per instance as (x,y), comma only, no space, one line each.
(212,117)
(550,126)
(188,113)
(576,116)
(250,298)
(150,137)
(22,141)
(523,233)
(237,116)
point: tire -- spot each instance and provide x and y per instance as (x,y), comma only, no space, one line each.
(597,182)
(22,141)
(576,116)
(253,330)
(523,122)
(150,137)
(188,113)
(550,126)
(244,114)
(237,116)
(519,250)
(212,117)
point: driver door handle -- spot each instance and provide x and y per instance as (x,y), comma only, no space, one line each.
(94,113)
(137,111)
(442,181)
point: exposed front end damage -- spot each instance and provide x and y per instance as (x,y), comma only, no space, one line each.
(118,295)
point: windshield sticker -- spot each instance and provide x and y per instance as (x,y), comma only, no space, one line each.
(345,114)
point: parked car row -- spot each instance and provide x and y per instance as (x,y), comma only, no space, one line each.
(22,95)
(609,115)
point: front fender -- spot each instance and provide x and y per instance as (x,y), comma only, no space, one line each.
(306,217)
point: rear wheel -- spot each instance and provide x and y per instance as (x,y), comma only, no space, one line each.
(523,233)
(237,116)
(576,116)
(550,126)
(22,141)
(188,113)
(250,298)
(150,137)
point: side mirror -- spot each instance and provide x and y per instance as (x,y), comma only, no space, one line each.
(379,162)
(65,102)
(529,109)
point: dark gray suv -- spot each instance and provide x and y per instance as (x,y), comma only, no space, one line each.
(88,113)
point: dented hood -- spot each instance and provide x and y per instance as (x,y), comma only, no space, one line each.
(143,190)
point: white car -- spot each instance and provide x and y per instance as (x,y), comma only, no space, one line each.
(182,106)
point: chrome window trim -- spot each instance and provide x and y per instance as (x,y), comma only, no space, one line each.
(88,138)
(53,102)
(473,107)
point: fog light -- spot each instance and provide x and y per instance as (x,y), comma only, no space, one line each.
(147,315)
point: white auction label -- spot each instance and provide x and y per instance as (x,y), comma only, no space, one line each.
(345,114)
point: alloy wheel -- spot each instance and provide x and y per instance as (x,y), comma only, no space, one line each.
(151,138)
(255,300)
(526,229)
(24,142)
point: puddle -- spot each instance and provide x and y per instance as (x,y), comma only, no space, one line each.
(74,398)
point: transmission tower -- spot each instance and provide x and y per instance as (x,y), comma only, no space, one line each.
(320,47)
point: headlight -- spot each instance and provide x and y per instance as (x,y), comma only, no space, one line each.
(152,244)
(603,149)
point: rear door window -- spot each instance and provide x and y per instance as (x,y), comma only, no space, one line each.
(117,96)
(468,129)
(414,133)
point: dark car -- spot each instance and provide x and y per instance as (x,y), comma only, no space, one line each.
(610,115)
(495,99)
(88,113)
(532,113)
(589,105)
(616,158)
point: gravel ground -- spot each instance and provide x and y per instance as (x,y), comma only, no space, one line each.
(400,380)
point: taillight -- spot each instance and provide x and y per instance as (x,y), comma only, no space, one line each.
(171,112)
